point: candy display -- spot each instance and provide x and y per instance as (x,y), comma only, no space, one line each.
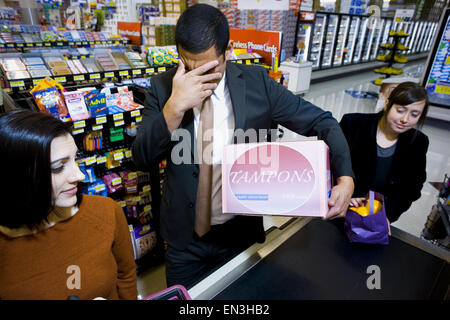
(76,67)
(143,240)
(113,182)
(57,65)
(91,65)
(135,60)
(121,60)
(105,60)
(12,65)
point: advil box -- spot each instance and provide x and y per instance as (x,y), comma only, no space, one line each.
(280,178)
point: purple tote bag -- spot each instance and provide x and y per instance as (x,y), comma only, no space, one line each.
(371,229)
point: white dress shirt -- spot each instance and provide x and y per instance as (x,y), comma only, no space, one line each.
(223,134)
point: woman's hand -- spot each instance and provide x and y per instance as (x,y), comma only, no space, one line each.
(357,202)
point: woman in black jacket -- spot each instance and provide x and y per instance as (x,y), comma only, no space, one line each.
(388,153)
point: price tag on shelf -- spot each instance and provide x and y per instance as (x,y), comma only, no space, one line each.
(239,61)
(85,43)
(29,45)
(10,45)
(20,45)
(78,78)
(139,119)
(123,204)
(99,187)
(256,60)
(97,127)
(147,208)
(47,44)
(79,124)
(136,72)
(90,161)
(119,123)
(94,75)
(117,42)
(61,79)
(161,69)
(101,160)
(248,62)
(109,75)
(136,199)
(146,188)
(118,116)
(135,113)
(39,44)
(36,81)
(101,120)
(132,175)
(78,43)
(116,181)
(128,154)
(118,156)
(71,43)
(77,131)
(150,70)
(123,73)
(60,44)
(18,83)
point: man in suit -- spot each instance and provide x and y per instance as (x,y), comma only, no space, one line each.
(239,98)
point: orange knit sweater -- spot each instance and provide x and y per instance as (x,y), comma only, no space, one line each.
(89,255)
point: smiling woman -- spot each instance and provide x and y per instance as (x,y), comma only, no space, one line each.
(45,218)
(388,152)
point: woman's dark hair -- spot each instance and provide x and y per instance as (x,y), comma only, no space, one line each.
(200,27)
(406,93)
(26,189)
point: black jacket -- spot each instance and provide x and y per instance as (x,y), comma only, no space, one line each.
(258,102)
(408,169)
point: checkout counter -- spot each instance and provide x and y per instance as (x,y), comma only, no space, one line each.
(308,258)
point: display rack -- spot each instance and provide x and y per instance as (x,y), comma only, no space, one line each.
(61,43)
(393,56)
(18,85)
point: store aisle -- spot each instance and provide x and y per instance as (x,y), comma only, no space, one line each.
(332,96)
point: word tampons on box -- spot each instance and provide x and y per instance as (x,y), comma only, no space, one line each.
(280,178)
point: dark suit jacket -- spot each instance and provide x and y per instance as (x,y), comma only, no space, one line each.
(407,173)
(258,102)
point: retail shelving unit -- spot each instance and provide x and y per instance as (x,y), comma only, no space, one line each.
(393,56)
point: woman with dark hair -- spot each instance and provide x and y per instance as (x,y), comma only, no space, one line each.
(54,242)
(388,153)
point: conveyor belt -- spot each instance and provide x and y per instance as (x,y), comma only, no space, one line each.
(318,262)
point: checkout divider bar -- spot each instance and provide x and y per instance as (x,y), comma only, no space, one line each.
(219,280)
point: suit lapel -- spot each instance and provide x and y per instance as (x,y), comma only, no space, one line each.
(236,87)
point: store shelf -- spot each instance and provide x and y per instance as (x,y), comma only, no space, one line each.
(51,44)
(27,84)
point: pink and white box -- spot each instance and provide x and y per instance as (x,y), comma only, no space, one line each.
(280,178)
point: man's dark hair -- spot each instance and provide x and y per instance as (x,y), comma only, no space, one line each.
(26,188)
(200,27)
(406,93)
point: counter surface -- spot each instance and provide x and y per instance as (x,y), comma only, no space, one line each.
(318,262)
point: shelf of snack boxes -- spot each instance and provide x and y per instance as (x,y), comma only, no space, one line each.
(62,43)
(17,85)
(398,58)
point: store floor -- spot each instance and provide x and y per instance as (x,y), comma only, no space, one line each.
(332,96)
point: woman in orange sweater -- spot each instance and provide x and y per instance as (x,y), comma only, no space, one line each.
(54,242)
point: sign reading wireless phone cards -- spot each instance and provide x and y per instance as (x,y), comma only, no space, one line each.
(283,178)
